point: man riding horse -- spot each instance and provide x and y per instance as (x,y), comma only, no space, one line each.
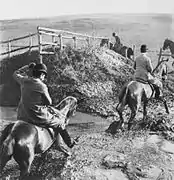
(34,106)
(143,71)
(116,42)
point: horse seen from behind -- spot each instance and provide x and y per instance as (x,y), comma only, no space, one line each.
(118,48)
(134,92)
(22,140)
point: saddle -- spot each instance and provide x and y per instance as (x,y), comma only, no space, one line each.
(154,87)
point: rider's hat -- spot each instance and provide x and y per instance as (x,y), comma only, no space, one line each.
(40,68)
(143,48)
(114,34)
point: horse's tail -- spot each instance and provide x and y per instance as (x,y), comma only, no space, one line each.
(6,146)
(123,97)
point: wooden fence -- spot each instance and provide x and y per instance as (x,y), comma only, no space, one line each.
(56,38)
(10,47)
(59,36)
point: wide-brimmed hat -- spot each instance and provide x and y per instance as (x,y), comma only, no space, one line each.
(143,48)
(40,68)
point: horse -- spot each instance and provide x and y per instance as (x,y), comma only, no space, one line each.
(169,44)
(22,140)
(126,52)
(123,50)
(132,94)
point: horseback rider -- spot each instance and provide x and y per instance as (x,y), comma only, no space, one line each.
(34,106)
(117,42)
(116,38)
(143,71)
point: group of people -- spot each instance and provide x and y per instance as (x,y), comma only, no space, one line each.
(35,103)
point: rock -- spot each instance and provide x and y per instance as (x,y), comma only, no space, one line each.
(112,174)
(153,139)
(153,173)
(114,161)
(167,146)
(103,174)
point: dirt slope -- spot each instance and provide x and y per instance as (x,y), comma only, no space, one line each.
(95,77)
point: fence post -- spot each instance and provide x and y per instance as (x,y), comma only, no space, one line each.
(53,41)
(40,45)
(9,49)
(160,53)
(88,41)
(133,52)
(61,41)
(75,42)
(30,43)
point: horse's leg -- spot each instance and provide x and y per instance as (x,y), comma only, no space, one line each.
(144,110)
(4,158)
(120,108)
(24,156)
(6,151)
(134,106)
(165,103)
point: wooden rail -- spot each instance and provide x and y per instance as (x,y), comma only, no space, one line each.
(57,39)
(42,29)
(18,47)
(60,35)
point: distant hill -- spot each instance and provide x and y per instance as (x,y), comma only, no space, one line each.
(133,28)
(136,29)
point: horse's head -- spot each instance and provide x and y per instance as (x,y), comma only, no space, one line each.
(68,106)
(166,44)
(162,70)
(72,106)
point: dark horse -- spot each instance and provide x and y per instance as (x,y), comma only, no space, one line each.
(22,140)
(132,94)
(123,50)
(169,44)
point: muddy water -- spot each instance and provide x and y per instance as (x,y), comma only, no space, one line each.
(79,124)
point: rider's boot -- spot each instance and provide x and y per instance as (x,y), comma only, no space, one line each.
(61,146)
(67,139)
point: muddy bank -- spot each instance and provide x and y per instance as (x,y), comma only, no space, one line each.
(135,155)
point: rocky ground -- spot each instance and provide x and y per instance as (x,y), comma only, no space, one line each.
(95,78)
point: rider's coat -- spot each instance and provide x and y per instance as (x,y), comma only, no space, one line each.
(143,70)
(33,106)
(143,67)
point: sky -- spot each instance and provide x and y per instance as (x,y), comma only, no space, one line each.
(16,9)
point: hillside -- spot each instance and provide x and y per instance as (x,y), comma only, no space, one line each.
(94,76)
(136,29)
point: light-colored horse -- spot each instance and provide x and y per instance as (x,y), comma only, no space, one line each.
(22,140)
(132,94)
